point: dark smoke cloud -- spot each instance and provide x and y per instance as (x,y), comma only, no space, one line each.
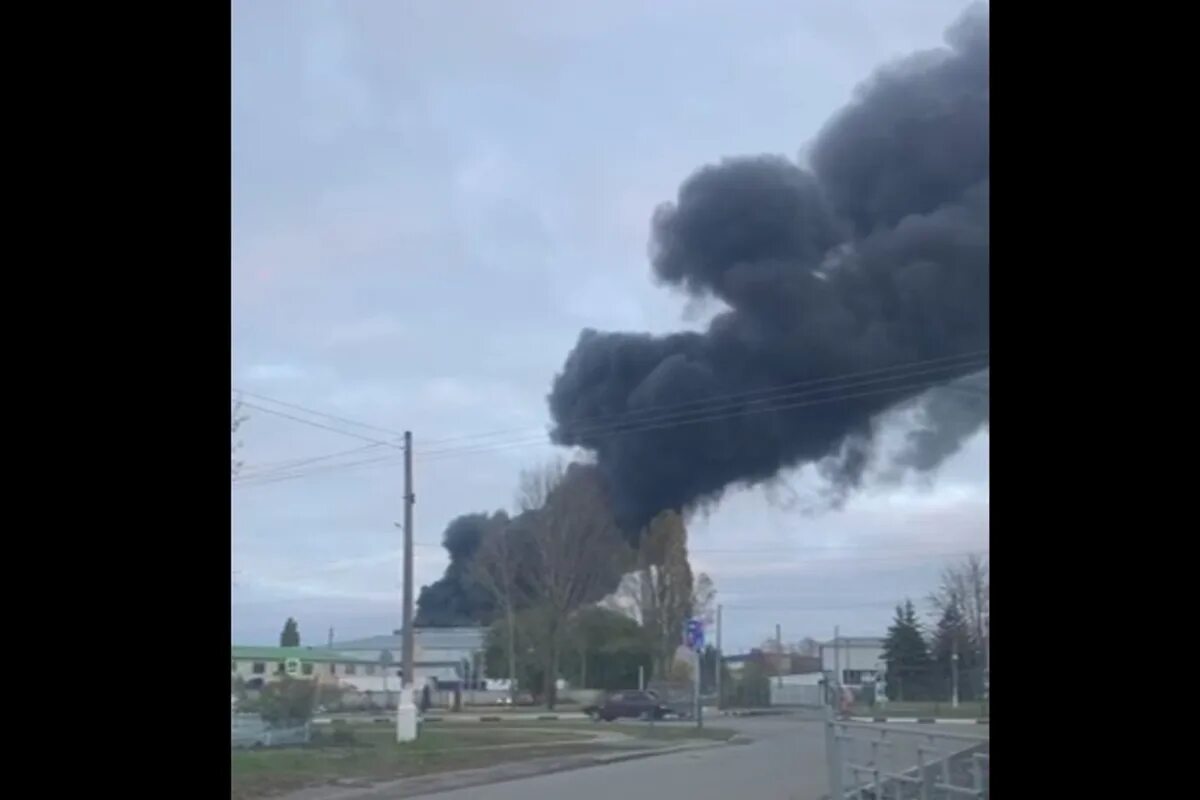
(457,598)
(875,257)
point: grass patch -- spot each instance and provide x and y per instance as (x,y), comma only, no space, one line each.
(371,753)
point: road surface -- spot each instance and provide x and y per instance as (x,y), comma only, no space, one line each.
(786,761)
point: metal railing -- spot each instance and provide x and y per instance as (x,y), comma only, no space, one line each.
(868,760)
(250,730)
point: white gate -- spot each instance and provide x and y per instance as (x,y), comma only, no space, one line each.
(904,762)
(249,730)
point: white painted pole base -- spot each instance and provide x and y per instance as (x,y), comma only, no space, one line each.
(406,717)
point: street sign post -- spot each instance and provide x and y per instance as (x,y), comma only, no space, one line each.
(694,639)
(694,634)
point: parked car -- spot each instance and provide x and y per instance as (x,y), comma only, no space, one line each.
(629,705)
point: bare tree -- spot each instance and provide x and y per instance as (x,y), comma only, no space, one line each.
(535,485)
(660,594)
(808,646)
(704,595)
(576,549)
(495,567)
(965,586)
(627,599)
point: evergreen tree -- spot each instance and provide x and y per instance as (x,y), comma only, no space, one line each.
(290,637)
(906,656)
(953,635)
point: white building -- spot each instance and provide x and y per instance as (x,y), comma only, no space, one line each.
(257,665)
(853,660)
(444,654)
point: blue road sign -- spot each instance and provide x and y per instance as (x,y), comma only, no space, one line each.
(694,635)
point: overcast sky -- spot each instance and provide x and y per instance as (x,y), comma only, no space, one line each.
(431,199)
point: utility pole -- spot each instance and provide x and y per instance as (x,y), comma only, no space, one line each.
(954,672)
(837,660)
(408,561)
(979,637)
(330,638)
(778,657)
(406,712)
(717,678)
(987,658)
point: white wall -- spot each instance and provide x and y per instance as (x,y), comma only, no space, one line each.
(850,656)
(375,683)
(807,679)
(245,669)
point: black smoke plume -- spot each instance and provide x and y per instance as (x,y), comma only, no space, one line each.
(852,287)
(457,598)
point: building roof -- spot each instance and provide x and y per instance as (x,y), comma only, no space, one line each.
(855,641)
(376,643)
(315,654)
(323,655)
(425,638)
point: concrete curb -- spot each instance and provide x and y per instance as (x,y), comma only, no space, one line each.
(755,712)
(634,755)
(924,720)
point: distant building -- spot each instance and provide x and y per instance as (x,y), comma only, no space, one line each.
(363,669)
(447,655)
(773,664)
(853,660)
(735,664)
(257,665)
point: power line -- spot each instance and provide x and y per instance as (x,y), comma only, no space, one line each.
(778,607)
(272,467)
(255,480)
(637,417)
(894,554)
(690,418)
(317,413)
(899,554)
(687,418)
(715,406)
(698,415)
(755,394)
(304,421)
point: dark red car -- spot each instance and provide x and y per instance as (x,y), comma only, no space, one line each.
(629,705)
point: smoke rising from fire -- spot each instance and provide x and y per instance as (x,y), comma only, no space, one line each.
(853,286)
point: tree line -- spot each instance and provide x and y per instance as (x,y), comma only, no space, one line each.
(564,593)
(920,664)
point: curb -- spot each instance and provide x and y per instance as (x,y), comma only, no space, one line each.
(634,755)
(538,718)
(925,720)
(473,718)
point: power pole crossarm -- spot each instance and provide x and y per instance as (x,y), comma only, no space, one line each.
(778,657)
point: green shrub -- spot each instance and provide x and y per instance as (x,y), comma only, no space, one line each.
(287,701)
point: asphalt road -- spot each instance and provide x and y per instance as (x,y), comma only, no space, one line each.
(786,761)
